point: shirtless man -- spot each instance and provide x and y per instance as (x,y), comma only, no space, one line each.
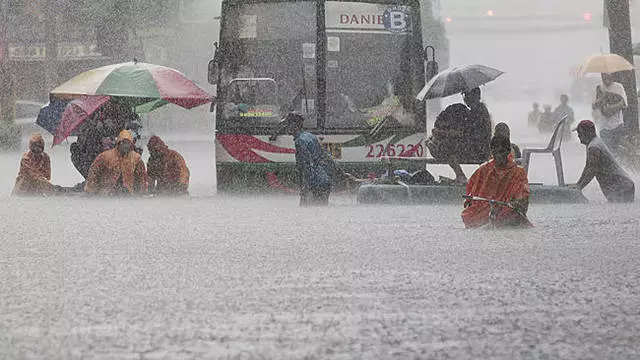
(615,183)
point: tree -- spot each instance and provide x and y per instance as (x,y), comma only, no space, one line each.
(620,43)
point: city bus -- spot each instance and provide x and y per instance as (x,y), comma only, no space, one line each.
(351,68)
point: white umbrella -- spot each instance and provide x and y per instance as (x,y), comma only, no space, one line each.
(458,79)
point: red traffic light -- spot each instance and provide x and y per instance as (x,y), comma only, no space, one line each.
(587,16)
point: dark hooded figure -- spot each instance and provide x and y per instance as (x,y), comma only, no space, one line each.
(462,134)
(447,139)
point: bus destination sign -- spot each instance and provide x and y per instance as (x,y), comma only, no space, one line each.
(365,17)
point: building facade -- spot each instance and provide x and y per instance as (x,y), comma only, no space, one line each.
(46,42)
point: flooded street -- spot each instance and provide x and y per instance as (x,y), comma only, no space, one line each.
(261,278)
(209,278)
(215,276)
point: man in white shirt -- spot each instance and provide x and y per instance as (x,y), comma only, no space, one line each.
(615,183)
(611,99)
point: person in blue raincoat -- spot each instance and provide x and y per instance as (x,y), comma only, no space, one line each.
(316,168)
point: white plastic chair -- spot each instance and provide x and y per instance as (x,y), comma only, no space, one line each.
(553,148)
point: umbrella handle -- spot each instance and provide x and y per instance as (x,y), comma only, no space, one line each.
(433,53)
(431,65)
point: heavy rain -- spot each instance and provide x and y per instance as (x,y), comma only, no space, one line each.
(238,269)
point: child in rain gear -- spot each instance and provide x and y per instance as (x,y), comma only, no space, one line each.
(35,170)
(168,172)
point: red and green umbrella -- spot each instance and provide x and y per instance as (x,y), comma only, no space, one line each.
(137,84)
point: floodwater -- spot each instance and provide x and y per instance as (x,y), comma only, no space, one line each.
(260,278)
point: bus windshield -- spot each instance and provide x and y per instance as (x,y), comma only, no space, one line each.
(262,59)
(373,67)
(268,65)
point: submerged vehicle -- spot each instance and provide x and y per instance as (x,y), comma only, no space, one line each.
(352,68)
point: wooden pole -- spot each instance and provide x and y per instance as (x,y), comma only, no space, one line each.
(620,43)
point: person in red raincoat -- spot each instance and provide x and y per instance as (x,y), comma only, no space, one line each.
(119,171)
(499,179)
(35,170)
(168,172)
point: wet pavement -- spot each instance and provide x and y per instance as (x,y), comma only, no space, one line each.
(259,278)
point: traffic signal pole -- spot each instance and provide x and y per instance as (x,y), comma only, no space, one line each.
(620,43)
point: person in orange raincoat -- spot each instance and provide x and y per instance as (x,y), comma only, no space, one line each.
(168,172)
(118,171)
(35,170)
(499,179)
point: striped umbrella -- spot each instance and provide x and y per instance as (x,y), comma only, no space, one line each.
(136,84)
(458,79)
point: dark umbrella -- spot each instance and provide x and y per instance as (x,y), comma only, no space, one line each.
(458,79)
(50,114)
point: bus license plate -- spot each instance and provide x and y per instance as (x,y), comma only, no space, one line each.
(334,149)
